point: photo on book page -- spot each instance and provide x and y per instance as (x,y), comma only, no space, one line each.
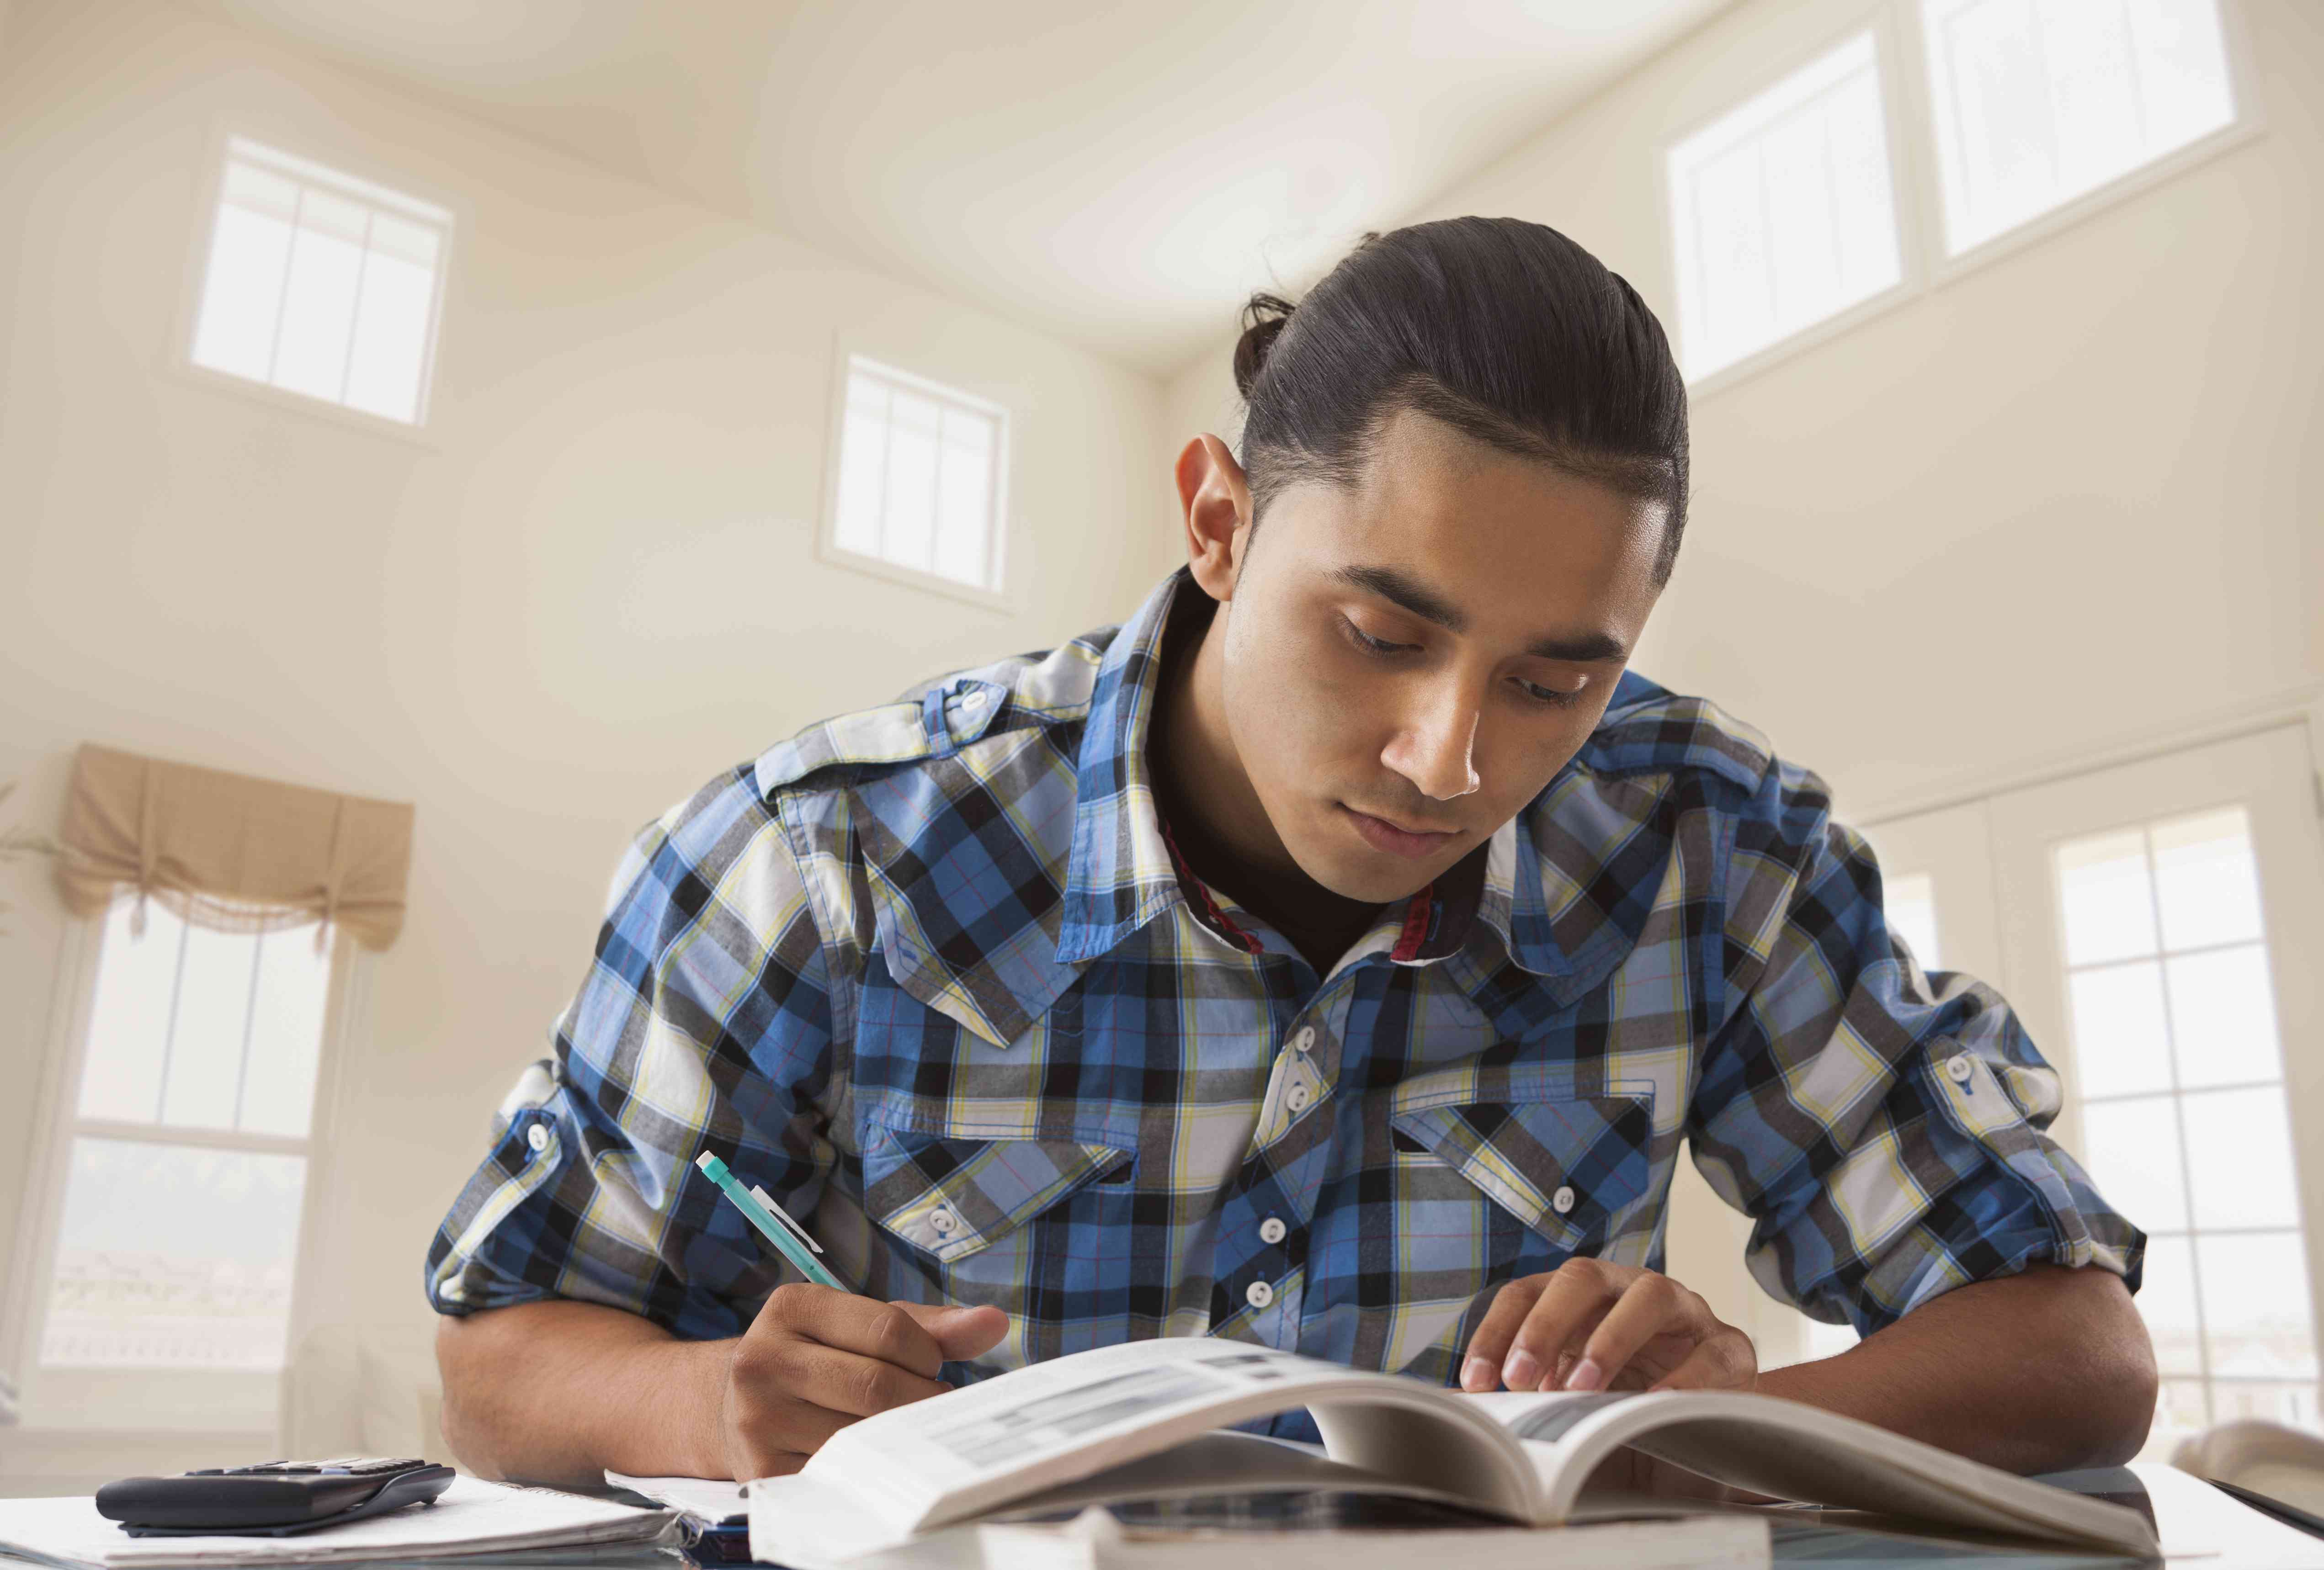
(1058,1418)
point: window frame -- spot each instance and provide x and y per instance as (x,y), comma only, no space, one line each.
(987,398)
(324,154)
(166,1400)
(1902,49)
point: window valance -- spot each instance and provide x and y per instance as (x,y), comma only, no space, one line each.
(232,851)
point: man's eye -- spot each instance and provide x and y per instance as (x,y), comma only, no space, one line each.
(1365,641)
(1541,694)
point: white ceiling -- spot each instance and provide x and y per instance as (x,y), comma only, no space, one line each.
(1120,174)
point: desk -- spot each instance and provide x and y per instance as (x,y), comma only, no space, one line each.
(2202,1528)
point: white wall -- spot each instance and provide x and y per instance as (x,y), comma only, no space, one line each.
(591,591)
(2071,496)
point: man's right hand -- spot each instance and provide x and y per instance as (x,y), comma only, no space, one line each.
(816,1359)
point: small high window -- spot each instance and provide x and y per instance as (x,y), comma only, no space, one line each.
(2036,102)
(321,284)
(921,480)
(1782,210)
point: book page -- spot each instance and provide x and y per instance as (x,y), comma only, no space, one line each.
(984,1445)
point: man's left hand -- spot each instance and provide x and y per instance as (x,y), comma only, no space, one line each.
(1590,1326)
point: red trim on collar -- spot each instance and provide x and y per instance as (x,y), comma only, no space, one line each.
(1416,916)
(1217,920)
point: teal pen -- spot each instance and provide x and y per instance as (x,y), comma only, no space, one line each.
(787,1234)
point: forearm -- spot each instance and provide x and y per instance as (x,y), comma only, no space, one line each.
(558,1391)
(2038,1371)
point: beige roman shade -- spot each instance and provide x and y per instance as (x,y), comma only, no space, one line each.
(230,850)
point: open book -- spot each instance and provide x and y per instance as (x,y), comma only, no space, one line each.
(1116,1423)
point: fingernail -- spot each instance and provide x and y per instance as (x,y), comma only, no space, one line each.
(1521,1373)
(1586,1376)
(1477,1374)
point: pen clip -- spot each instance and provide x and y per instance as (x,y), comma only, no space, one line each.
(783,1215)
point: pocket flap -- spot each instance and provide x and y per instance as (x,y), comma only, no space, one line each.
(1559,1166)
(953,1196)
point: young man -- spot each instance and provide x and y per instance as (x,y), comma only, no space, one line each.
(1334,956)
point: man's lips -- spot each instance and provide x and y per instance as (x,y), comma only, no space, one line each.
(1383,834)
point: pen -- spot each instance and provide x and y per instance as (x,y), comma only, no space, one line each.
(762,1212)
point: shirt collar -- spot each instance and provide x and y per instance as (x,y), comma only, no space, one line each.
(1119,874)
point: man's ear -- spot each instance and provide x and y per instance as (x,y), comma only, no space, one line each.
(1216,500)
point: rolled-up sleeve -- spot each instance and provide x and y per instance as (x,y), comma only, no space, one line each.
(705,1022)
(1883,1125)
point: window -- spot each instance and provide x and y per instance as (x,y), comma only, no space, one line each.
(2185,1121)
(321,284)
(2036,102)
(921,479)
(1781,213)
(183,1158)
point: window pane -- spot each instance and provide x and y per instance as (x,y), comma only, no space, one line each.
(318,309)
(129,1016)
(2255,1305)
(2167,1300)
(2092,86)
(2239,1157)
(963,517)
(2223,1017)
(2133,1153)
(204,1078)
(391,335)
(863,465)
(286,1033)
(908,536)
(169,1256)
(2120,1045)
(242,291)
(1911,906)
(2108,905)
(2205,880)
(2183,69)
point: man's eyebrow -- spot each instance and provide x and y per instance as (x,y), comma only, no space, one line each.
(1400,588)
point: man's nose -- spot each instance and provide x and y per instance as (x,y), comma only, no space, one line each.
(1434,749)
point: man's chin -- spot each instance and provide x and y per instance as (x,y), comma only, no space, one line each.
(1370,877)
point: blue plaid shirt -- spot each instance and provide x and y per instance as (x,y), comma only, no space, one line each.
(932,974)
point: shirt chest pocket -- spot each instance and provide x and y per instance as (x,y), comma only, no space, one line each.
(955,1191)
(1570,1169)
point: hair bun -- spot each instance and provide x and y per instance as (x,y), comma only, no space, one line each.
(1264,317)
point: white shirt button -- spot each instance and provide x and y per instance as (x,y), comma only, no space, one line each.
(1272,1229)
(943,1220)
(1297,1099)
(1563,1200)
(536,1136)
(1303,1040)
(1959,1068)
(976,698)
(1259,1294)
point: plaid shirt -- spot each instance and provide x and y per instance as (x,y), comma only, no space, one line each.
(932,974)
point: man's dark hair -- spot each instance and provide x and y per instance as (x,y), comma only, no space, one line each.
(1505,330)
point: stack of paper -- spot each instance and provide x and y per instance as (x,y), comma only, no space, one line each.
(471,1517)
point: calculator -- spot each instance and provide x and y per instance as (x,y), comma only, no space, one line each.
(272,1499)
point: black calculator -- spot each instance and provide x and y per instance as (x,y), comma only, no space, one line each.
(273,1498)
